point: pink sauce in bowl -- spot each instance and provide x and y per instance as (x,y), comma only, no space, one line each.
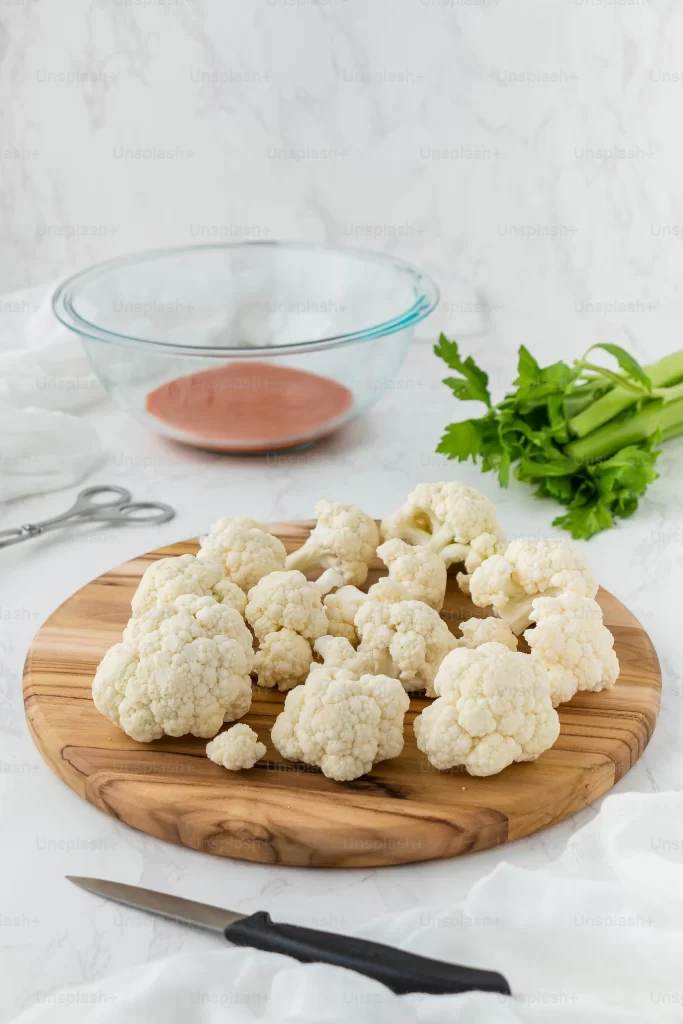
(250,407)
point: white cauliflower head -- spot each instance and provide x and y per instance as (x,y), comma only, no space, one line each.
(342,724)
(245,549)
(529,569)
(493,707)
(237,748)
(286,600)
(574,645)
(407,639)
(341,607)
(178,676)
(283,660)
(189,617)
(344,538)
(420,574)
(169,578)
(193,689)
(476,632)
(455,521)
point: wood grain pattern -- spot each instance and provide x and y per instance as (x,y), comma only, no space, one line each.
(285,813)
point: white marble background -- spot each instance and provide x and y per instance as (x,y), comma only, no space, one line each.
(527,153)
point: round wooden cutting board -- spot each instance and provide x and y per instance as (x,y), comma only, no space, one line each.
(285,813)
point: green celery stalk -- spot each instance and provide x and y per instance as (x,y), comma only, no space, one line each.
(658,415)
(674,431)
(618,399)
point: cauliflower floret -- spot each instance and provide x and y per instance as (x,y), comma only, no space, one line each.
(177,672)
(237,748)
(453,520)
(484,546)
(493,707)
(338,653)
(189,617)
(283,660)
(286,600)
(529,569)
(476,632)
(177,689)
(168,578)
(574,645)
(284,731)
(341,608)
(114,674)
(408,640)
(387,590)
(344,538)
(228,593)
(245,549)
(420,573)
(341,724)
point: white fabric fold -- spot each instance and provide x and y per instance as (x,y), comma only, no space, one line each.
(576,947)
(42,363)
(44,450)
(44,377)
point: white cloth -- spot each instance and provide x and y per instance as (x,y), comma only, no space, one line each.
(44,377)
(577,947)
(44,450)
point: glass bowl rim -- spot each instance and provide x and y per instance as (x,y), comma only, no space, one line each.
(66,292)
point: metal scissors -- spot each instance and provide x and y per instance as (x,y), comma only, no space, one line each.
(120,509)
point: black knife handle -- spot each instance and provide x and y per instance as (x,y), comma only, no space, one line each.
(400,971)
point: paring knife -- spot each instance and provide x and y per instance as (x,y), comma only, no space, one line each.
(400,971)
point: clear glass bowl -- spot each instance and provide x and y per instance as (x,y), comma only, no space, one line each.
(256,346)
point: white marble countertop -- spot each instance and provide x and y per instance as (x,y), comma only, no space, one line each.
(51,934)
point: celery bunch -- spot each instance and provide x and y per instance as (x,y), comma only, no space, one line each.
(580,433)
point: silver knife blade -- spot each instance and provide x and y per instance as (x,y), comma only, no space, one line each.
(200,915)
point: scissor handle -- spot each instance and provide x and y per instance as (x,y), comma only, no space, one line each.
(84,503)
(85,506)
(126,513)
